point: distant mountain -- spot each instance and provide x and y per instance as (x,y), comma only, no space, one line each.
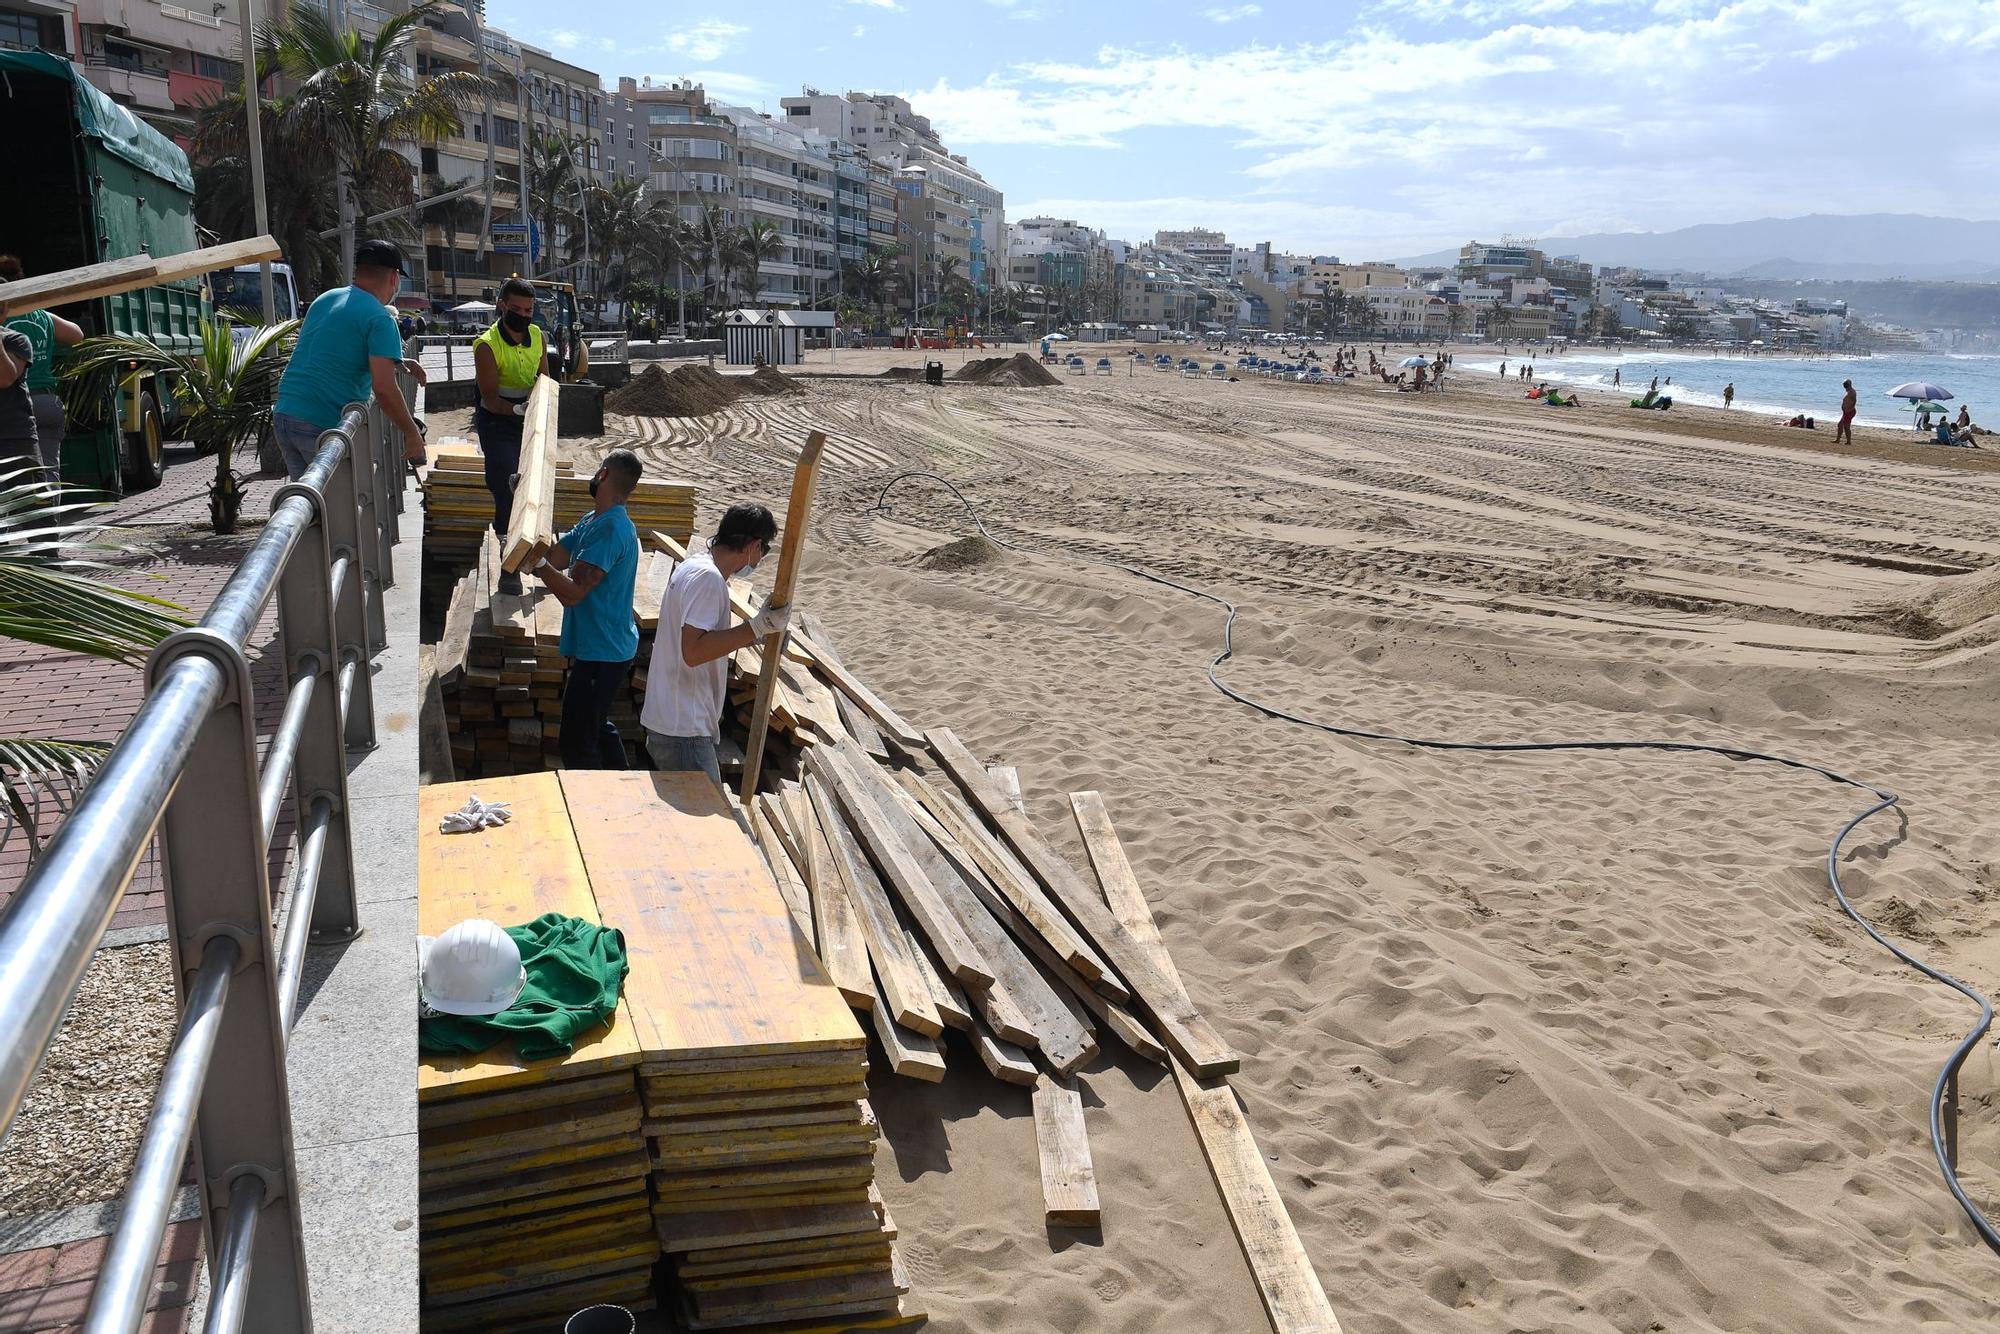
(1864,246)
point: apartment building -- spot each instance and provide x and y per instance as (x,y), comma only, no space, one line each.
(1350,278)
(162,61)
(1199,244)
(890,131)
(689,150)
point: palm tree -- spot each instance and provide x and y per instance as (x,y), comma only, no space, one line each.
(665,241)
(1454,318)
(755,243)
(616,214)
(299,176)
(1499,319)
(874,275)
(550,170)
(1327,293)
(451,216)
(224,389)
(48,550)
(357,98)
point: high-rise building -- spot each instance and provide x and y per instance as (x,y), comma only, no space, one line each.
(162,61)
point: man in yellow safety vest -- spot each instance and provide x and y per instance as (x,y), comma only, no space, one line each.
(506,359)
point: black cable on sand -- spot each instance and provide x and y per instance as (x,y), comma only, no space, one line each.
(1945,1087)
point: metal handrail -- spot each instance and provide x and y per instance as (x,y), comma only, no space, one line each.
(186,767)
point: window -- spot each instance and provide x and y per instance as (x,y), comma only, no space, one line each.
(25,31)
(575,105)
(209,67)
(592,114)
(120,56)
(507,133)
(593,155)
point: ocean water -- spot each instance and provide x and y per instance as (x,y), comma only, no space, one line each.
(1774,384)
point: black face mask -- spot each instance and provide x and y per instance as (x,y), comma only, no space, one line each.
(516,323)
(593,488)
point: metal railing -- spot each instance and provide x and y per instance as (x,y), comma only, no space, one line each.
(187,767)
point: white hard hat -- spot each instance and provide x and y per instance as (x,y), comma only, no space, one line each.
(473,968)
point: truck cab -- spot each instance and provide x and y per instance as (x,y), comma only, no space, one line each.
(92,182)
(240,292)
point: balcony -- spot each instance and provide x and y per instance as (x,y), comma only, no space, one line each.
(138,88)
(192,90)
(442,45)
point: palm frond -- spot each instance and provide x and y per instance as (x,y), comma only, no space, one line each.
(39,776)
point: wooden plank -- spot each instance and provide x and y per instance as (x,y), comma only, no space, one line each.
(545,873)
(1181,1025)
(790,887)
(847,1112)
(531,529)
(524,1132)
(677,1064)
(1015,883)
(1021,1005)
(1008,779)
(717,966)
(448,660)
(630,1189)
(798,513)
(839,767)
(1069,1182)
(910,1054)
(750,1101)
(1002,1059)
(888,722)
(1293,1297)
(898,984)
(952,1006)
(704,1233)
(541,1174)
(129,275)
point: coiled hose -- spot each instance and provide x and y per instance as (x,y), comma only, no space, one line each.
(1942,1092)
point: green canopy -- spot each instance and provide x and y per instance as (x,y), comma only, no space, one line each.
(118,130)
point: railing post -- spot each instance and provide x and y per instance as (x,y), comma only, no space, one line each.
(212,839)
(342,515)
(367,472)
(305,611)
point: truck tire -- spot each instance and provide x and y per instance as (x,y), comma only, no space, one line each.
(145,449)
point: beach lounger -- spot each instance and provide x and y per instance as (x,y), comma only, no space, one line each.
(1218,372)
(1104,365)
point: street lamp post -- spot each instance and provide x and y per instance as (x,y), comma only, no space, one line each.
(253,96)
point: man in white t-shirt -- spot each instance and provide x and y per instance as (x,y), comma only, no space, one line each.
(688,674)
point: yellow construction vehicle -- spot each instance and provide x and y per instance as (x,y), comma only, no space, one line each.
(562,329)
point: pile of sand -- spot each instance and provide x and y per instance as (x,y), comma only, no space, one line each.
(692,390)
(960,555)
(1017,371)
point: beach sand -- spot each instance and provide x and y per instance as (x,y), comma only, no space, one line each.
(1571,1042)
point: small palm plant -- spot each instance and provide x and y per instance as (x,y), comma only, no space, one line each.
(224,389)
(49,548)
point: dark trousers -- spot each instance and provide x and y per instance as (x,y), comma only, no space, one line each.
(500,442)
(589,739)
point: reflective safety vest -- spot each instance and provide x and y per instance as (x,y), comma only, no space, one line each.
(518,363)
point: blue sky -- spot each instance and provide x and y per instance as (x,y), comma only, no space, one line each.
(1378,129)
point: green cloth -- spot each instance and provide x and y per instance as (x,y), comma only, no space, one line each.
(39,328)
(575,969)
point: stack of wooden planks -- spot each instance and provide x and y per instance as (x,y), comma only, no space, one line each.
(533,1174)
(753,1071)
(499,668)
(458,509)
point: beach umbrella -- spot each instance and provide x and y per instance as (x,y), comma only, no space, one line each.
(1920,389)
(1414,361)
(473,308)
(1923,405)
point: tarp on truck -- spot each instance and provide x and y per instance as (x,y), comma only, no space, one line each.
(118,130)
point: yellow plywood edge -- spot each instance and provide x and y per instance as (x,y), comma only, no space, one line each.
(718,967)
(457,878)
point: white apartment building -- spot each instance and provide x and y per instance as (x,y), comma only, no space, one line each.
(163,61)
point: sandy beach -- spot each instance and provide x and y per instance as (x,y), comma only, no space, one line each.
(1565,1042)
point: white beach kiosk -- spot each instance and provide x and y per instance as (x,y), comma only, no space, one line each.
(778,336)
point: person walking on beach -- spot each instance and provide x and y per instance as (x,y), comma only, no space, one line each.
(1617,377)
(688,674)
(591,571)
(1728,394)
(1654,387)
(1845,431)
(506,361)
(1503,370)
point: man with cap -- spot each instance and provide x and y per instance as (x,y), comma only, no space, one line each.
(348,345)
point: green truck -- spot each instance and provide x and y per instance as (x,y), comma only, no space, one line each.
(92,182)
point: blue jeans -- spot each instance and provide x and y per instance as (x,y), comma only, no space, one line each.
(684,754)
(298,441)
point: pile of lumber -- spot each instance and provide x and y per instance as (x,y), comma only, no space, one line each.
(936,904)
(499,668)
(533,1189)
(458,509)
(753,1070)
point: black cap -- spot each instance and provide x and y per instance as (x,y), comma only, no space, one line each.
(381,255)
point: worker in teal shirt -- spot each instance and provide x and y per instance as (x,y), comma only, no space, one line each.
(591,571)
(347,346)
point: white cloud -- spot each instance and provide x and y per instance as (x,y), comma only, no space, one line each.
(705,40)
(562,39)
(1219,15)
(860,30)
(876,4)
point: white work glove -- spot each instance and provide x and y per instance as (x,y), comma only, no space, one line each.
(474,816)
(521,409)
(771,620)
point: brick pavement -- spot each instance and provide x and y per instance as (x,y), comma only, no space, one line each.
(47,1290)
(49,693)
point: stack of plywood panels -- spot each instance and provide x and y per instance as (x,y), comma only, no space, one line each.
(753,1069)
(532,1188)
(458,507)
